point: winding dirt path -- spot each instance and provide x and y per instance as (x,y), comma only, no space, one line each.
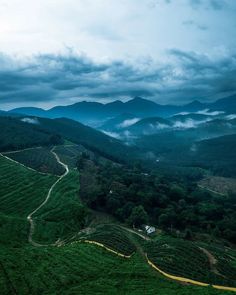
(212,260)
(30,216)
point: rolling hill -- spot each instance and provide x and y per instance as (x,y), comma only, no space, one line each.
(218,154)
(17,134)
(149,126)
(92,139)
(119,123)
(73,251)
(25,132)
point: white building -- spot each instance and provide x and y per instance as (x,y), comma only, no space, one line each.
(150,229)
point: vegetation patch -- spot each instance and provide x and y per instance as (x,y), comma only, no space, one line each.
(40,159)
(221,185)
(69,154)
(21,190)
(16,135)
(83,269)
(63,214)
(184,259)
(113,237)
(225,262)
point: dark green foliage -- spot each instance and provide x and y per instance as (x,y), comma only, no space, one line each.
(187,149)
(138,216)
(118,190)
(13,231)
(217,154)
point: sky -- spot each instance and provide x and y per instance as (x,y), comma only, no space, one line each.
(58,52)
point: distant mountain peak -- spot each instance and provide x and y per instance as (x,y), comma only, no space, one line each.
(139,100)
(115,102)
(195,103)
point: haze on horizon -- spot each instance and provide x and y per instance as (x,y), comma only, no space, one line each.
(168,51)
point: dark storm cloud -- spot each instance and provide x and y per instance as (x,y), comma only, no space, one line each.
(70,77)
(203,77)
(210,4)
(206,4)
(193,24)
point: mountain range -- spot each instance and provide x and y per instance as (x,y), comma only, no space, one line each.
(95,113)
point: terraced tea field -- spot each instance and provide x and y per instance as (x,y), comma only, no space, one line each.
(83,269)
(224,262)
(63,213)
(186,259)
(21,190)
(40,159)
(113,237)
(69,154)
(220,185)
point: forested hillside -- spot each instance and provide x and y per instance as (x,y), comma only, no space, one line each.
(17,134)
(91,139)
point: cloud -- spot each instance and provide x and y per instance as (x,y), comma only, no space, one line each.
(191,23)
(153,128)
(208,113)
(208,4)
(50,79)
(34,121)
(182,113)
(231,117)
(128,122)
(112,134)
(189,123)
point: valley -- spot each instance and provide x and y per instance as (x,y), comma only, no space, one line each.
(74,202)
(117,147)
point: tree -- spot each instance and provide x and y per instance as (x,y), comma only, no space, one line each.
(81,160)
(188,235)
(113,204)
(138,216)
(163,221)
(216,232)
(176,193)
(55,139)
